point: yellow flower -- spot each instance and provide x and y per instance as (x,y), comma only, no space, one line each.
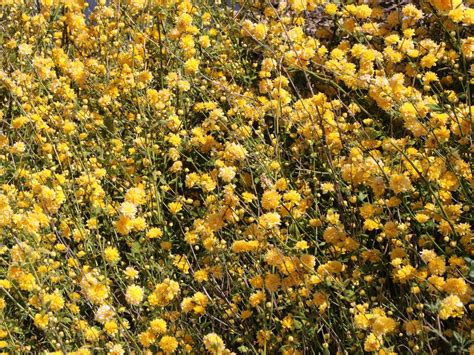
(137,4)
(227,173)
(298,5)
(134,295)
(128,209)
(372,343)
(242,246)
(327,187)
(184,22)
(408,111)
(164,293)
(124,225)
(27,282)
(181,263)
(92,334)
(55,301)
(270,220)
(412,11)
(201,275)
(154,233)
(139,224)
(256,298)
(135,195)
(405,273)
(168,344)
(191,66)
(117,349)
(456,286)
(130,273)
(41,320)
(104,314)
(147,338)
(451,307)
(446,5)
(437,265)
(175,207)
(330,9)
(204,41)
(412,327)
(400,183)
(111,255)
(468,18)
(111,327)
(174,139)
(260,31)
(456,15)
(214,343)
(428,60)
(234,151)
(19,122)
(158,326)
(362,320)
(383,325)
(421,217)
(292,196)
(248,197)
(270,199)
(97,293)
(25,49)
(302,245)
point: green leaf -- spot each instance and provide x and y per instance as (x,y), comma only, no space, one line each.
(136,248)
(435,107)
(361,196)
(243,349)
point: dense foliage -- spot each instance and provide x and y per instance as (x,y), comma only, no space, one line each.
(246,177)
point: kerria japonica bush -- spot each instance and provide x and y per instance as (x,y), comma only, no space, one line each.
(271,177)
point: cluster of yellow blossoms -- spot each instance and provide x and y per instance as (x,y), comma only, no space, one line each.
(191,176)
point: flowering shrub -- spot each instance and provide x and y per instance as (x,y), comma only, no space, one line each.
(249,177)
